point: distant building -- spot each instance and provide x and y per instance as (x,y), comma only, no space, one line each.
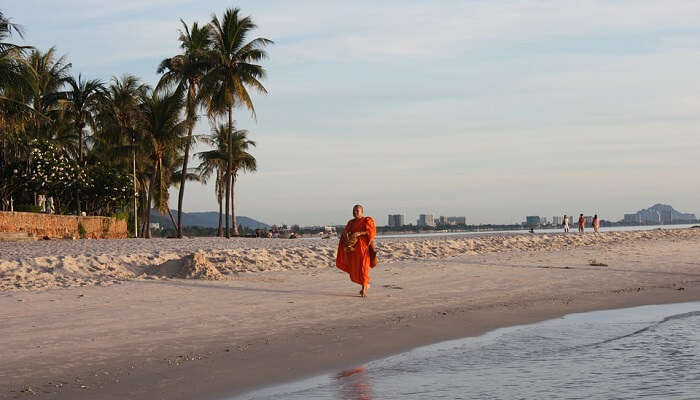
(457,220)
(543,220)
(396,220)
(532,220)
(557,220)
(589,220)
(426,220)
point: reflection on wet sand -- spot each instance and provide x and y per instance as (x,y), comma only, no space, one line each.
(353,384)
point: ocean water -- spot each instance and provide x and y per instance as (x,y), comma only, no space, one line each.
(643,352)
(540,231)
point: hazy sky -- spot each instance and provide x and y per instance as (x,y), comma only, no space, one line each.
(489,109)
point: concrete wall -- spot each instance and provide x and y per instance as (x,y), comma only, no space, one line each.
(62,226)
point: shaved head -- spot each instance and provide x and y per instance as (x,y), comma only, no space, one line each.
(357,211)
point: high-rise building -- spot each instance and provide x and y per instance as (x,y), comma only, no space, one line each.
(396,220)
(457,220)
(557,220)
(442,220)
(426,220)
(532,220)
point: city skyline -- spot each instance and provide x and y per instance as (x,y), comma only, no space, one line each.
(527,108)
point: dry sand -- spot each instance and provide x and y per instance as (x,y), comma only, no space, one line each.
(67,263)
(202,318)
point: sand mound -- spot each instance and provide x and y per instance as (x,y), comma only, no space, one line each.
(192,266)
(23,267)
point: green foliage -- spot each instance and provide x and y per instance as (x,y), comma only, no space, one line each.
(107,188)
(28,208)
(81,231)
(49,171)
(106,227)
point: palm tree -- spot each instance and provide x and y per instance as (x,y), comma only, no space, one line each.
(214,162)
(164,134)
(44,75)
(117,128)
(81,102)
(232,70)
(186,71)
(241,161)
(12,112)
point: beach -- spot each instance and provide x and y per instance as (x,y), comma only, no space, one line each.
(207,318)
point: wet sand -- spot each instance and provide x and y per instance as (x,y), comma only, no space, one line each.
(206,339)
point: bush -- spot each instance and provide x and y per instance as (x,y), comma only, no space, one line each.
(28,208)
(81,231)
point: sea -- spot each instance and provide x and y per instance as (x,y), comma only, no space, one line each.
(650,352)
(541,231)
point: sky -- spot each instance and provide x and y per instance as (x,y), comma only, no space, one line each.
(492,110)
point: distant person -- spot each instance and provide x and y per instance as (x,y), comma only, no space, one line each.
(532,230)
(356,251)
(581,223)
(596,223)
(566,224)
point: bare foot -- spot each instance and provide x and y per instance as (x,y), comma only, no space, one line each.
(363,292)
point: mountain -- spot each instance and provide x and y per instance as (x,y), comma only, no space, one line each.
(659,213)
(208,219)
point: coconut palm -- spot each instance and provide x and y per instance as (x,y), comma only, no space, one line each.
(44,74)
(214,162)
(232,71)
(241,161)
(14,112)
(117,129)
(217,160)
(80,103)
(185,71)
(164,136)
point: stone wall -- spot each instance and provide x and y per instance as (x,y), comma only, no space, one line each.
(62,226)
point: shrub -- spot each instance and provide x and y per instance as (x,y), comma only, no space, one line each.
(28,208)
(81,231)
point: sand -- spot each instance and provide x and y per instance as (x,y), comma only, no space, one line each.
(204,318)
(70,263)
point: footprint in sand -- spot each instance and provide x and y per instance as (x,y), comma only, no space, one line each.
(392,287)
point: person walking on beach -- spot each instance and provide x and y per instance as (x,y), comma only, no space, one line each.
(581,223)
(356,251)
(595,223)
(566,224)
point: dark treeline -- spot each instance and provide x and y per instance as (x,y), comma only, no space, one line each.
(93,146)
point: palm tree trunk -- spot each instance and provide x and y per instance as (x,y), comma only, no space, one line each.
(80,158)
(181,193)
(149,234)
(229,144)
(172,219)
(220,232)
(233,206)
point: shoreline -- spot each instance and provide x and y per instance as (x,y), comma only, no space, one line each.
(184,339)
(512,318)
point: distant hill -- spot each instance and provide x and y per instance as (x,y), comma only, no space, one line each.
(659,213)
(208,219)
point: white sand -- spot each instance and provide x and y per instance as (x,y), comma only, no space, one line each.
(66,263)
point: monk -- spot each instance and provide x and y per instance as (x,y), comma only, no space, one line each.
(356,249)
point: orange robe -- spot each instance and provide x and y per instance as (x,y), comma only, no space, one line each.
(357,262)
